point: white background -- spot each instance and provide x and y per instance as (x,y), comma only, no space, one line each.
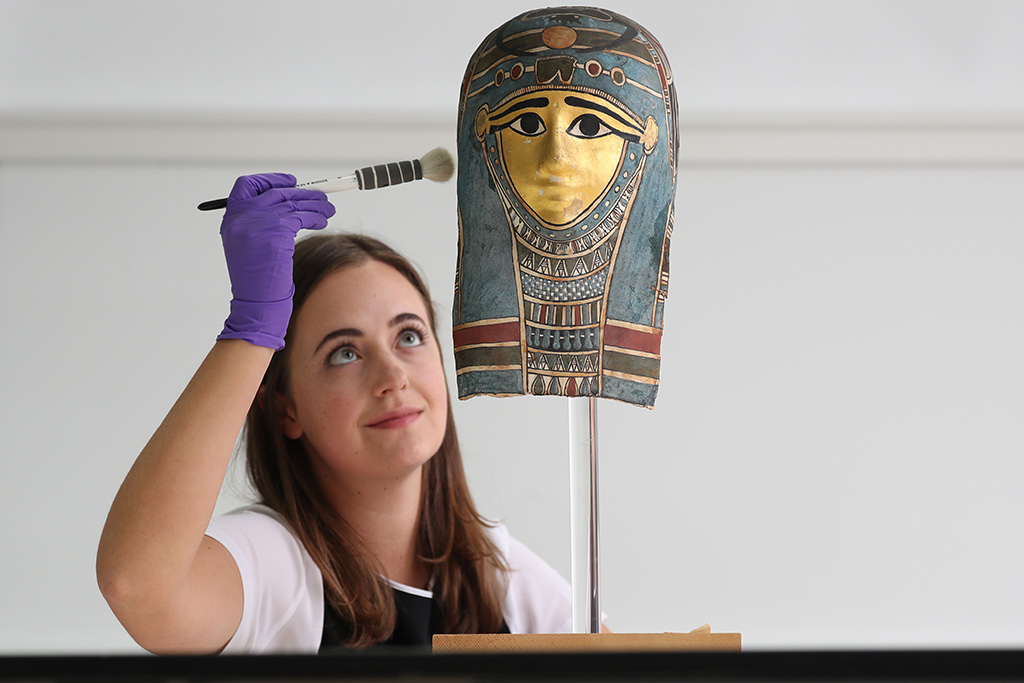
(835,456)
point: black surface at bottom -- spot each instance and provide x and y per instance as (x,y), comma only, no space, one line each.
(414,665)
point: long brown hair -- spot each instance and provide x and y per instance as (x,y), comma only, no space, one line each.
(452,538)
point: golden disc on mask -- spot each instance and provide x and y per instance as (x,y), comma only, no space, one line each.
(650,135)
(559,37)
(481,122)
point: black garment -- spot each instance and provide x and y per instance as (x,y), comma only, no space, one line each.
(416,622)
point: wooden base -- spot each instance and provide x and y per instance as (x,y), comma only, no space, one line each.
(586,642)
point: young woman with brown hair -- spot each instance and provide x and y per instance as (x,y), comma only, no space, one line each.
(365,531)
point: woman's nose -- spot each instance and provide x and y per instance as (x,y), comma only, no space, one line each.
(390,375)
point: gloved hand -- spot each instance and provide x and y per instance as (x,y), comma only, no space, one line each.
(264,213)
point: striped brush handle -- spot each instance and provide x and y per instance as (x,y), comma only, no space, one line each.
(385,175)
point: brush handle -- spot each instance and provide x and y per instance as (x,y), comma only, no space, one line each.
(339,184)
(213,204)
(385,175)
(369,178)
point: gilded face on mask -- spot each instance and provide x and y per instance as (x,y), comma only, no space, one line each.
(567,147)
(562,150)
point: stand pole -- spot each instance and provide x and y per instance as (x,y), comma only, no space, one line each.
(586,592)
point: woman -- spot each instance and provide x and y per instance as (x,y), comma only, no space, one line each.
(365,532)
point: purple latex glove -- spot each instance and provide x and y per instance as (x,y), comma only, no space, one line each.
(264,213)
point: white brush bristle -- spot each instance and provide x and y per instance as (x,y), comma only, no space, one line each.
(437,165)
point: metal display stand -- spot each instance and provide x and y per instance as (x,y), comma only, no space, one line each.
(585,561)
(584,550)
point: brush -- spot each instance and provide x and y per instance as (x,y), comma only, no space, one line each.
(436,165)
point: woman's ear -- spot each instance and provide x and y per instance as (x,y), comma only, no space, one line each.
(284,412)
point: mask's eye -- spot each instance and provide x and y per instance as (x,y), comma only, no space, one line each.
(588,126)
(342,356)
(410,338)
(529,124)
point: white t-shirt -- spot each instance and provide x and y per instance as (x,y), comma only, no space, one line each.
(283,591)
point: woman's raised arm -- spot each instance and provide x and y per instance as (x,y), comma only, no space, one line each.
(174,589)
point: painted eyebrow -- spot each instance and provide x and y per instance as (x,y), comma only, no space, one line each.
(536,102)
(577,102)
(354,332)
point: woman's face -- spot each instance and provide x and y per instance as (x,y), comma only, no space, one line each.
(367,390)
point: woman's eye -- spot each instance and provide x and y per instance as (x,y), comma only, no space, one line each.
(588,126)
(346,354)
(529,124)
(410,338)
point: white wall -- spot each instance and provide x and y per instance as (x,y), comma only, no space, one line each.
(835,454)
(729,55)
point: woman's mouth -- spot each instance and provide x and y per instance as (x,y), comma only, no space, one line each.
(395,419)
